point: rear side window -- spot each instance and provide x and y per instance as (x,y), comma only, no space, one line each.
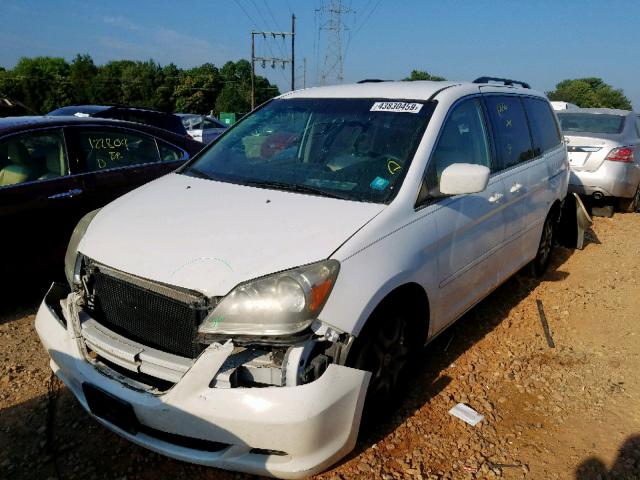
(543,125)
(103,149)
(169,153)
(510,129)
(638,125)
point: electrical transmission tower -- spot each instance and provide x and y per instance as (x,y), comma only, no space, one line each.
(333,64)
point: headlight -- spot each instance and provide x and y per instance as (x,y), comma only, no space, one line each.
(280,304)
(71,257)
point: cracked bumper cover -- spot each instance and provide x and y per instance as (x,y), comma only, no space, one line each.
(315,424)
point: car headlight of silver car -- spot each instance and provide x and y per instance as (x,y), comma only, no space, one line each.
(71,257)
(284,303)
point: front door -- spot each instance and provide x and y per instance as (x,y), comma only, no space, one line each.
(470,228)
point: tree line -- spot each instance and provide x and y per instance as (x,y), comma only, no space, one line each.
(43,84)
(588,92)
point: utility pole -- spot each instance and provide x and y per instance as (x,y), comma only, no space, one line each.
(333,66)
(272,60)
(304,72)
(293,52)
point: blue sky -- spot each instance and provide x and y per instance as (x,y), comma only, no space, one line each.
(540,41)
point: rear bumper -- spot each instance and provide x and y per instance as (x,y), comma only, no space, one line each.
(312,425)
(612,179)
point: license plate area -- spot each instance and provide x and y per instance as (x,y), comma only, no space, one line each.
(578,159)
(110,408)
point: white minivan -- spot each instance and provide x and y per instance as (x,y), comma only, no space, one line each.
(237,312)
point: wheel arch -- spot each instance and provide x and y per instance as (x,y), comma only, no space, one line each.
(409,296)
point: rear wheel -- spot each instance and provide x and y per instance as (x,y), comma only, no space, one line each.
(630,204)
(539,264)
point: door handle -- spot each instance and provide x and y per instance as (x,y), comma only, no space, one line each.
(495,198)
(515,188)
(68,194)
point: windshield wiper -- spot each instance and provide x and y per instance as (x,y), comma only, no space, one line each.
(289,187)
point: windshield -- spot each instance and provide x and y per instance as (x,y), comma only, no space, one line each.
(591,122)
(355,149)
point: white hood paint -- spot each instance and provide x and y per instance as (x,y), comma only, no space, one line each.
(209,236)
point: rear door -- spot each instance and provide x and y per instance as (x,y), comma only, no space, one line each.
(515,158)
(115,160)
(40,200)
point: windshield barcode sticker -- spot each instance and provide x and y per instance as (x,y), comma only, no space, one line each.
(396,107)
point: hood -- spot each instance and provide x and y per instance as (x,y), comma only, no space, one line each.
(210,236)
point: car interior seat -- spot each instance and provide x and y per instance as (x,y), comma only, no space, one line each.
(54,163)
(18,168)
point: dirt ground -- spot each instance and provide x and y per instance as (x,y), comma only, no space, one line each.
(569,412)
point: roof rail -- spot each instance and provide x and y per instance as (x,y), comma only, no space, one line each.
(372,80)
(506,81)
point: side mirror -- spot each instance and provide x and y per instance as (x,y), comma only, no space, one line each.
(460,178)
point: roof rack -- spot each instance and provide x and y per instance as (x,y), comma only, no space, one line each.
(372,80)
(505,81)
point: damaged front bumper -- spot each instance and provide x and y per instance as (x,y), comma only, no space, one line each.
(286,432)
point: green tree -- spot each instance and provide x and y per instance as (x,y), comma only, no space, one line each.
(106,87)
(235,95)
(81,76)
(423,75)
(198,89)
(589,93)
(140,81)
(42,83)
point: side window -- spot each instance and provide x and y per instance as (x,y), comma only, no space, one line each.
(32,156)
(102,148)
(169,153)
(463,139)
(638,125)
(544,129)
(510,129)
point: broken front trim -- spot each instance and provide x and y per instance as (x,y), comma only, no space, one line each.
(287,431)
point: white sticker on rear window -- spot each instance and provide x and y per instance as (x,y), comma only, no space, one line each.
(396,107)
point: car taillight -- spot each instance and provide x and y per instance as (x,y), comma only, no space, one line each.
(621,154)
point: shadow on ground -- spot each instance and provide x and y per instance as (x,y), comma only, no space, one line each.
(625,467)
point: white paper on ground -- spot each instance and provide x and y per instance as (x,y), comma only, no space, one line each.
(466,414)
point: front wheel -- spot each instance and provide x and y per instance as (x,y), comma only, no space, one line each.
(539,264)
(386,347)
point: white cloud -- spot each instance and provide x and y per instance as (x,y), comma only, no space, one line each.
(121,22)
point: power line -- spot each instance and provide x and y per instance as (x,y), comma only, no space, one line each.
(284,60)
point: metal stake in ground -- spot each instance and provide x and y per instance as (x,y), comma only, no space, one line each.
(545,325)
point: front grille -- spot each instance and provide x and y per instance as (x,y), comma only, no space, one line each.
(146,316)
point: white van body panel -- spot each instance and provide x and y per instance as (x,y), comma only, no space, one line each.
(210,236)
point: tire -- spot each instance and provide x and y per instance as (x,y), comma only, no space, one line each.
(630,205)
(540,263)
(387,346)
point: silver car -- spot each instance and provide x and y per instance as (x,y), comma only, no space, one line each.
(604,152)
(203,128)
